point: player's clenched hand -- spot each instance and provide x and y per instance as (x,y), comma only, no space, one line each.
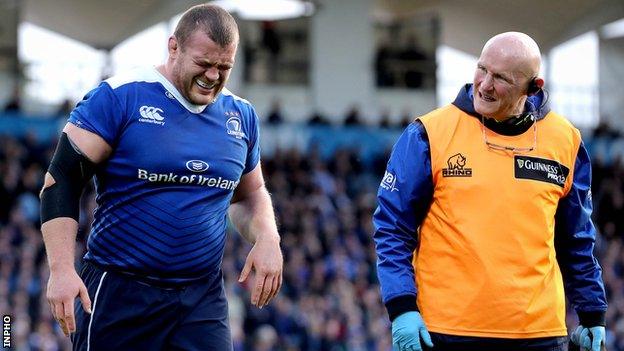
(265,259)
(63,288)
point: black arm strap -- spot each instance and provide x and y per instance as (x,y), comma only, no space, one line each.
(71,172)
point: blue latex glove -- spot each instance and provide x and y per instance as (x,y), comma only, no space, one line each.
(407,330)
(589,338)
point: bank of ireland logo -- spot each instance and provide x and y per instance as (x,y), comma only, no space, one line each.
(197,166)
(150,114)
(234,127)
(456,167)
(388,182)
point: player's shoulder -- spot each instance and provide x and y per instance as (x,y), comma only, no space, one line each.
(231,101)
(232,98)
(136,75)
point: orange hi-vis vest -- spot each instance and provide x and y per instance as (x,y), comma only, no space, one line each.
(486,264)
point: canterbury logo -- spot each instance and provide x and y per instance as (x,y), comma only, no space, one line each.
(150,112)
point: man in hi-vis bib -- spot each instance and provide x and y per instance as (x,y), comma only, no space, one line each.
(483,222)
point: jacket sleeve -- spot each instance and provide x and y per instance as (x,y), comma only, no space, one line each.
(403,198)
(574,243)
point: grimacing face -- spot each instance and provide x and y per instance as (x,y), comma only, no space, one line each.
(201,67)
(499,87)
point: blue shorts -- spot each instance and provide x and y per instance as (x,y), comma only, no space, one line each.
(133,315)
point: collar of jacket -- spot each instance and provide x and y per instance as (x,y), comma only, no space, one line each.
(536,106)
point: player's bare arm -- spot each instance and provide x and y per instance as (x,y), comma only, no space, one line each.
(251,212)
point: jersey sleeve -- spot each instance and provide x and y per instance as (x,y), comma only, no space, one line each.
(253,153)
(404,197)
(99,112)
(574,243)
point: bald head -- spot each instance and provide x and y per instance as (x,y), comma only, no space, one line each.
(518,49)
(508,65)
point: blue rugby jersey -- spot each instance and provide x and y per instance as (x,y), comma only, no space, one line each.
(163,195)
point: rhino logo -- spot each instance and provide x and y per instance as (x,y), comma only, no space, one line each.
(456,167)
(457,161)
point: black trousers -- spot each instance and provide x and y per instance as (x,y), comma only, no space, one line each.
(443,342)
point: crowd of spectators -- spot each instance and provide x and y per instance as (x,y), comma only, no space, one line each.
(330,299)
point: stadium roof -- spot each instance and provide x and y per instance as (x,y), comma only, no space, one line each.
(101,24)
(104,24)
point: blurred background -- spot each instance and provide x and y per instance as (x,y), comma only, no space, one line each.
(334,82)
